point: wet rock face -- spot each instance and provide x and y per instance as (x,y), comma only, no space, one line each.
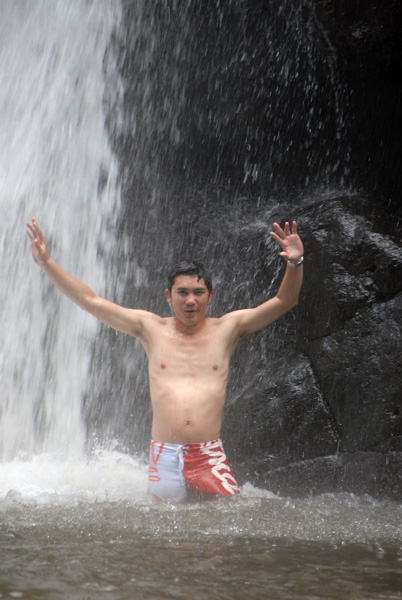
(366,37)
(331,416)
(363,24)
(358,368)
(356,264)
(355,343)
(267,95)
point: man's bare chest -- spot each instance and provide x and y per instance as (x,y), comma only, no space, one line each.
(181,353)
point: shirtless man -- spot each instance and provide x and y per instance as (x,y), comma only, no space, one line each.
(188,357)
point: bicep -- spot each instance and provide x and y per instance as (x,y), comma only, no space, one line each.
(122,319)
(249,320)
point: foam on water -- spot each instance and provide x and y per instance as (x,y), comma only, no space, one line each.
(107,494)
(107,476)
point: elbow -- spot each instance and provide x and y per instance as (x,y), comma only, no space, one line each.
(289,304)
(294,301)
(290,307)
(89,303)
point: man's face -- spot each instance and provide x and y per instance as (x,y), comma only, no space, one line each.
(189,299)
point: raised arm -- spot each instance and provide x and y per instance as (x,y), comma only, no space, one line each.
(122,319)
(249,320)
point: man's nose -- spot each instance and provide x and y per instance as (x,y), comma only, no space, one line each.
(190,299)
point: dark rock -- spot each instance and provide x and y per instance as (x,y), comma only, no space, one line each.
(377,475)
(351,263)
(332,386)
(364,24)
(359,371)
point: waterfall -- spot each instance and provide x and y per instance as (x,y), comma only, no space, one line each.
(55,164)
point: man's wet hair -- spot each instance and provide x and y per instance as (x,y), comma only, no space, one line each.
(187,267)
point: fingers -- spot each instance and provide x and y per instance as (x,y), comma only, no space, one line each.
(283,233)
(276,237)
(280,232)
(283,237)
(33,230)
(30,232)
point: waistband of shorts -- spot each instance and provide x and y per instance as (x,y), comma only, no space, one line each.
(189,447)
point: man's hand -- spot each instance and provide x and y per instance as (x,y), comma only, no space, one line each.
(289,241)
(38,244)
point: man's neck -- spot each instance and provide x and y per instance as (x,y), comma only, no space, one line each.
(193,329)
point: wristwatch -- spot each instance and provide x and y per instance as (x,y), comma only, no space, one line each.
(295,264)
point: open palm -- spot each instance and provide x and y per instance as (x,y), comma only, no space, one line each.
(289,241)
(38,244)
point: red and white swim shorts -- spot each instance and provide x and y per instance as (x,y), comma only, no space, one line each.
(190,471)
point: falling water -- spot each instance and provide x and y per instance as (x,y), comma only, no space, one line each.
(54,153)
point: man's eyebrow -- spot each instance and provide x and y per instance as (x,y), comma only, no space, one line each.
(197,289)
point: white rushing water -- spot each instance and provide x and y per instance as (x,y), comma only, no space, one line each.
(53,149)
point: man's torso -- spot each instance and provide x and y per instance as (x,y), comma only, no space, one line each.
(188,376)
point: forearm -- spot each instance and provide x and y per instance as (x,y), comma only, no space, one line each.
(122,319)
(289,290)
(75,290)
(287,295)
(292,253)
(261,316)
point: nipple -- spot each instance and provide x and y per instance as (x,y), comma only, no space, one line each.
(163,366)
(215,367)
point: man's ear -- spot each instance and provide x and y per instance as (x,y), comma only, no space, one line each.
(211,293)
(168,296)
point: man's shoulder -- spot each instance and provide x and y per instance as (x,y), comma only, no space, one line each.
(154,320)
(226,322)
(230,323)
(151,328)
(229,317)
(224,330)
